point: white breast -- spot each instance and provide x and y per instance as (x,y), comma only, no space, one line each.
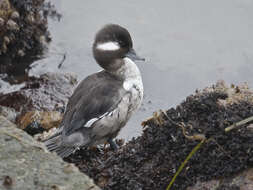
(133,82)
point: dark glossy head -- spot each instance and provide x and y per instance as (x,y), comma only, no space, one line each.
(111,45)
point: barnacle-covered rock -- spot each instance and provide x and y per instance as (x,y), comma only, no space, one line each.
(6,40)
(1,22)
(30,18)
(4,48)
(23,22)
(21,53)
(14,15)
(11,25)
(5,8)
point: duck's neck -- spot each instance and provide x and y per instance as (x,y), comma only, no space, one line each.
(128,70)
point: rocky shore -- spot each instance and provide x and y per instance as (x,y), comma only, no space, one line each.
(223,162)
(150,161)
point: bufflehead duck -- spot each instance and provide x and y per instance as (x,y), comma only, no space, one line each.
(103,102)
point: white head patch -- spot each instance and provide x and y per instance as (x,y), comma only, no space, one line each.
(108,46)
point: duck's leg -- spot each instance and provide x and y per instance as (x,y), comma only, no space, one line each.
(113,145)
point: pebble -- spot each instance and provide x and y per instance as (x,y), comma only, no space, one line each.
(11,25)
(4,48)
(21,53)
(1,22)
(30,18)
(6,40)
(14,15)
(43,40)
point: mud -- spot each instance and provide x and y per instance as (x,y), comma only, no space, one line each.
(151,160)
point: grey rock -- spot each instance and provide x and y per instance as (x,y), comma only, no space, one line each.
(9,113)
(25,164)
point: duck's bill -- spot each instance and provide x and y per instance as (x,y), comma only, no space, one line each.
(133,56)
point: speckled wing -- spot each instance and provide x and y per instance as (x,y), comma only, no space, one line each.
(96,95)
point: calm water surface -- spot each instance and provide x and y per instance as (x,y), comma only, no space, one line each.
(187,45)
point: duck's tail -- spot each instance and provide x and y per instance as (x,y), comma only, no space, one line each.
(54,144)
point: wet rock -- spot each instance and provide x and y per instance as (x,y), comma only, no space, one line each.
(25,164)
(151,160)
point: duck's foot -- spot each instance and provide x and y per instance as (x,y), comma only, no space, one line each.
(113,145)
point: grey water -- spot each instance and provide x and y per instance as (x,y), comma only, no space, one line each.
(188,45)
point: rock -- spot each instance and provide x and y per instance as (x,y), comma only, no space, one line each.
(9,113)
(25,164)
(30,18)
(46,93)
(6,40)
(43,40)
(14,15)
(11,25)
(4,48)
(21,53)
(5,8)
(1,22)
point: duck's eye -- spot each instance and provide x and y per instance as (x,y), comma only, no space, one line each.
(122,44)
